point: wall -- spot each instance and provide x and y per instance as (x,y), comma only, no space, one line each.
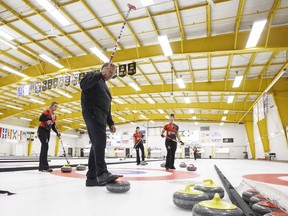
(209,144)
(276,133)
(20,148)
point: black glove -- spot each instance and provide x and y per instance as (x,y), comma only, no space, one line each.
(59,134)
(181,142)
(162,135)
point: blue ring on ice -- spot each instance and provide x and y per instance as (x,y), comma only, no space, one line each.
(127,172)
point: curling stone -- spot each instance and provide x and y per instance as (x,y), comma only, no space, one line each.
(162,164)
(80,167)
(246,195)
(191,167)
(118,186)
(66,168)
(187,198)
(143,163)
(210,188)
(264,207)
(183,165)
(216,207)
(255,199)
(277,213)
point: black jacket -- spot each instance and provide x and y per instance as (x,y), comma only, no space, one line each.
(96,98)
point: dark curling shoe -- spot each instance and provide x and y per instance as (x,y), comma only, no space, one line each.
(94,182)
(106,178)
(46,170)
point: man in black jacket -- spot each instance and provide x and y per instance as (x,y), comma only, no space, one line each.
(96,110)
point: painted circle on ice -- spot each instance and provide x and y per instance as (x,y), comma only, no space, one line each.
(139,174)
(279,178)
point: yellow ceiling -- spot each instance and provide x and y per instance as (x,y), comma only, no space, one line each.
(208,42)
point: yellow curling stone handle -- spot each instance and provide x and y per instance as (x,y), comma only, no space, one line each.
(187,190)
(217,203)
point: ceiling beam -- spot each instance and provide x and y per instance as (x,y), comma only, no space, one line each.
(216,44)
(252,87)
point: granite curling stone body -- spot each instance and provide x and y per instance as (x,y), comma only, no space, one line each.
(187,198)
(66,168)
(80,167)
(210,188)
(118,186)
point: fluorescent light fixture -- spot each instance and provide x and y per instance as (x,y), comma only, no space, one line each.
(150,100)
(132,123)
(136,87)
(230,99)
(13,71)
(6,35)
(223,118)
(27,119)
(151,121)
(191,111)
(37,101)
(167,117)
(161,111)
(50,8)
(226,111)
(122,119)
(118,101)
(187,100)
(64,94)
(60,17)
(196,123)
(51,61)
(14,107)
(165,45)
(83,125)
(82,129)
(180,82)
(237,81)
(221,123)
(255,33)
(146,3)
(1,113)
(194,117)
(65,110)
(8,44)
(135,111)
(142,117)
(99,54)
(66,127)
(67,120)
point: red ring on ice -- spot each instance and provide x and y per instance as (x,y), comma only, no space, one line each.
(268,178)
(174,174)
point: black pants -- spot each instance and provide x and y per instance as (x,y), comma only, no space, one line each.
(141,147)
(171,147)
(44,137)
(96,126)
(195,155)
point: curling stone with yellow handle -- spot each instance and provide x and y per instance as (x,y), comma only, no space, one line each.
(66,168)
(187,198)
(210,188)
(216,207)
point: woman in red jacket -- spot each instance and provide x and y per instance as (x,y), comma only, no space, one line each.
(172,131)
(48,122)
(138,144)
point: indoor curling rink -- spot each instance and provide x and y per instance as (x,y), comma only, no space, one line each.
(151,192)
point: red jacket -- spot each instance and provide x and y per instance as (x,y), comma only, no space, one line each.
(47,122)
(171,129)
(137,136)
